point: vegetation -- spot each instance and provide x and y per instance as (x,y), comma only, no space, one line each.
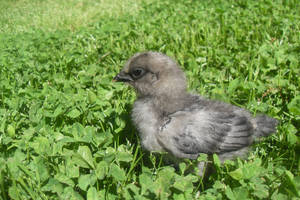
(65,129)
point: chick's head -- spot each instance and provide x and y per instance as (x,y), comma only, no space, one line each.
(153,74)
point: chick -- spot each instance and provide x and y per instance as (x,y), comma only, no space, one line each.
(169,119)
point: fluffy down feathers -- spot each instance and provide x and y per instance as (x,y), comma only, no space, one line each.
(169,119)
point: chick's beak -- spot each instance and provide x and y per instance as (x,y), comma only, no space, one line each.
(123,77)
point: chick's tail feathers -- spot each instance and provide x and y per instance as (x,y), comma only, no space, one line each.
(264,126)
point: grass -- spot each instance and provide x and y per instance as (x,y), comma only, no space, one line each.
(65,129)
(27,16)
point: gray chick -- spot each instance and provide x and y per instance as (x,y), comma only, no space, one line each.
(169,119)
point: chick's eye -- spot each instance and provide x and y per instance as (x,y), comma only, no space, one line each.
(138,72)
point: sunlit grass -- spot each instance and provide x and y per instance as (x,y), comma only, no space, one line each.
(51,15)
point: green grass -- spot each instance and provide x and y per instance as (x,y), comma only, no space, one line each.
(29,15)
(65,129)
